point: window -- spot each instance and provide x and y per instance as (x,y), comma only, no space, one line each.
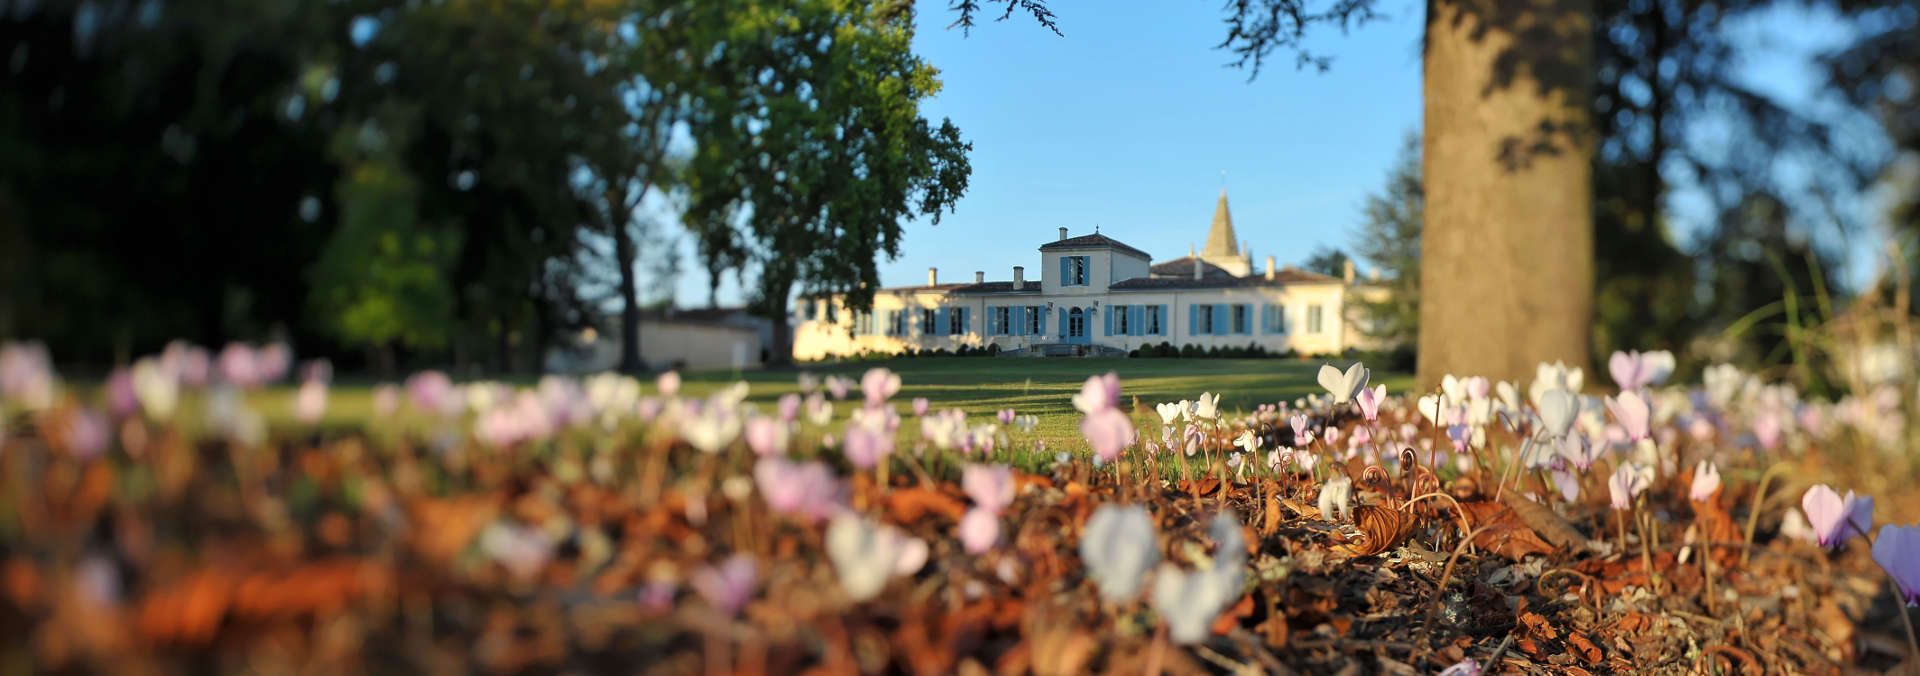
(1002,320)
(1206,319)
(1240,319)
(833,313)
(1153,320)
(897,323)
(1314,324)
(812,310)
(1073,270)
(863,323)
(1120,316)
(928,323)
(1273,319)
(957,321)
(1033,320)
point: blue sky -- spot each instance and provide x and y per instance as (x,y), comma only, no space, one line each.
(1127,121)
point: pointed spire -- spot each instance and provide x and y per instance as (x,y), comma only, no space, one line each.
(1220,238)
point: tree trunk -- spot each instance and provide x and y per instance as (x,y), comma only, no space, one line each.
(1507,252)
(624,254)
(780,353)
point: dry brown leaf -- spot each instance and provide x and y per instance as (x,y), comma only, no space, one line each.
(1501,531)
(907,505)
(1384,528)
(1545,522)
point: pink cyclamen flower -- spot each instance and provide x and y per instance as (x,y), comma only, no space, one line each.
(657,596)
(726,586)
(122,400)
(386,400)
(1766,429)
(789,407)
(879,385)
(920,406)
(1634,414)
(1006,416)
(1099,393)
(838,386)
(869,437)
(806,491)
(979,530)
(1466,667)
(668,383)
(1835,518)
(1109,432)
(86,434)
(1897,550)
(1369,401)
(1631,370)
(310,402)
(989,486)
(1706,481)
(240,366)
(432,392)
(766,436)
(1625,485)
(274,361)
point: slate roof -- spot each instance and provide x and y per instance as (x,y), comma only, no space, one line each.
(999,287)
(1093,241)
(1183,267)
(1284,276)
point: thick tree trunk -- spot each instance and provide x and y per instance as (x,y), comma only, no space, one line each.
(624,254)
(1507,251)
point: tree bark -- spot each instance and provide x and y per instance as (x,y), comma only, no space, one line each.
(624,255)
(1507,251)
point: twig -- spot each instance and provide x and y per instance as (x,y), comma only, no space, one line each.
(1499,651)
(1446,575)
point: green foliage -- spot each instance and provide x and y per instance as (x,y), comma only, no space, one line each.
(810,130)
(381,279)
(1389,239)
(1327,261)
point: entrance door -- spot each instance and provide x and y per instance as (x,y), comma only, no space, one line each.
(1077,327)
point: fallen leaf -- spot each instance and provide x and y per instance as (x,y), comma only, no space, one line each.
(1501,531)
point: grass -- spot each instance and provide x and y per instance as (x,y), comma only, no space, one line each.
(978,385)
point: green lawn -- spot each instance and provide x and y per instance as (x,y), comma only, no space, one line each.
(980,385)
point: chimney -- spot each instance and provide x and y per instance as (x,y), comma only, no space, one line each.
(1346,271)
(1196,268)
(979,277)
(1063,233)
(1269,268)
(933,276)
(1019,277)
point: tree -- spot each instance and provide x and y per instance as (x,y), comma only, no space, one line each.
(1389,239)
(1328,260)
(1507,241)
(811,130)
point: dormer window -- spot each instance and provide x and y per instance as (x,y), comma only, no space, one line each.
(1073,270)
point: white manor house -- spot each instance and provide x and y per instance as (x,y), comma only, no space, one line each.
(1095,295)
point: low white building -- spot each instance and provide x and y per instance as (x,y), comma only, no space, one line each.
(1095,294)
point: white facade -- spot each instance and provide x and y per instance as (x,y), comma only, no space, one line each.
(1098,293)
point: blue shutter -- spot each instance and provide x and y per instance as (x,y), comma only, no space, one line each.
(1108,318)
(939,322)
(1064,269)
(1019,316)
(966,320)
(1135,314)
(1219,319)
(1063,323)
(1193,320)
